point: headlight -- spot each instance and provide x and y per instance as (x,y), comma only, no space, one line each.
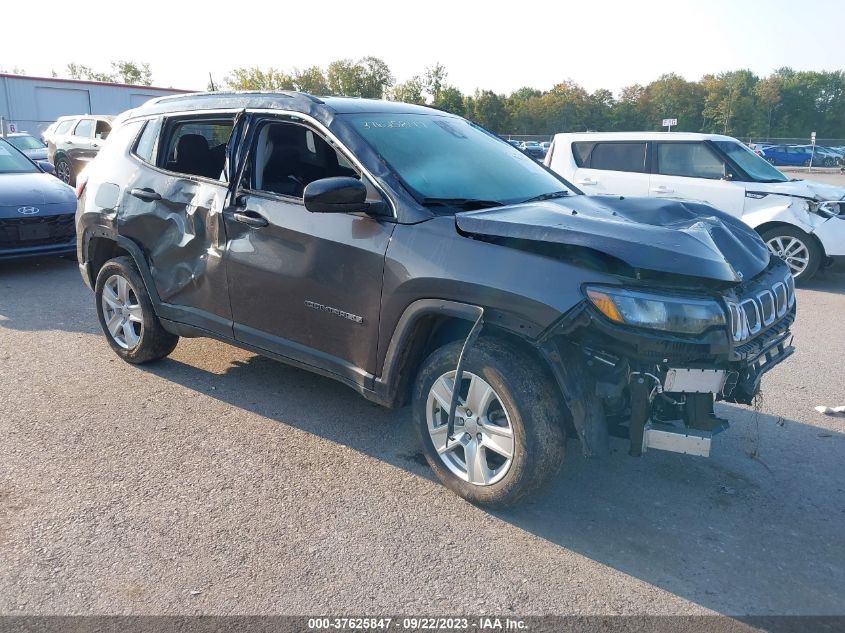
(655,311)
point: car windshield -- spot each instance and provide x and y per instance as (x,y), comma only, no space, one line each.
(25,142)
(756,168)
(444,159)
(13,162)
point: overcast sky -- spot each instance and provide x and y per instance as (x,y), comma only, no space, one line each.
(501,46)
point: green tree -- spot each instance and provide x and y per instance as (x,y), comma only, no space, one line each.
(410,91)
(434,80)
(629,112)
(671,96)
(370,77)
(258,79)
(129,72)
(123,71)
(375,77)
(311,80)
(768,96)
(451,100)
(729,102)
(488,110)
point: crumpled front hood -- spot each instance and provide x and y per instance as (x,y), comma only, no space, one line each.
(803,188)
(34,189)
(656,234)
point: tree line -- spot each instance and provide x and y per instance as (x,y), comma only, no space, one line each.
(785,104)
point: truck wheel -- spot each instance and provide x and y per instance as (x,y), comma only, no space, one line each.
(509,434)
(801,252)
(126,314)
(64,171)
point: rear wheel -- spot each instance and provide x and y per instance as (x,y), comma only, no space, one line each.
(800,251)
(508,436)
(64,171)
(126,314)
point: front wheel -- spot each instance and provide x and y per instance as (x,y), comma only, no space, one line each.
(508,435)
(126,314)
(64,171)
(800,251)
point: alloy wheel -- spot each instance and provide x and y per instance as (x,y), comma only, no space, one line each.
(481,448)
(122,312)
(791,250)
(63,171)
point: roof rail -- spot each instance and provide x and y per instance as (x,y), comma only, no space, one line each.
(240,93)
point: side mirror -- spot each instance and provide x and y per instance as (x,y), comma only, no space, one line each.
(340,194)
(46,166)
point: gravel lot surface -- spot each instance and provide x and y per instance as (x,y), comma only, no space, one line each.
(221,482)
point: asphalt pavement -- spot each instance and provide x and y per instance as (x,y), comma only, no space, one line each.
(220,482)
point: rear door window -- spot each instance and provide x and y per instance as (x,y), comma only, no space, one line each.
(85,128)
(619,157)
(692,160)
(195,146)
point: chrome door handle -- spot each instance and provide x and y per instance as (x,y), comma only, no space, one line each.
(662,189)
(147,195)
(250,218)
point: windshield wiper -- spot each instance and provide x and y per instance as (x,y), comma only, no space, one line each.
(461,203)
(547,196)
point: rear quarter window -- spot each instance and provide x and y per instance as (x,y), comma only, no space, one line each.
(145,147)
(64,126)
(581,153)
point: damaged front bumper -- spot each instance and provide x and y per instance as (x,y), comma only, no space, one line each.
(658,389)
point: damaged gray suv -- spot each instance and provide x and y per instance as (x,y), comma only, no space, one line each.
(419,259)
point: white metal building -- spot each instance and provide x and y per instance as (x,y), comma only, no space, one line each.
(32,103)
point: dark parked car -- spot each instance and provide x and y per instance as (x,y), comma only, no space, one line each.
(74,142)
(28,144)
(416,257)
(533,149)
(36,209)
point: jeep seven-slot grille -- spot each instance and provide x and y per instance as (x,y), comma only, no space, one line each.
(39,231)
(760,307)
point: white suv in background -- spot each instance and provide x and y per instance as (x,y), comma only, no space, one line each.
(801,221)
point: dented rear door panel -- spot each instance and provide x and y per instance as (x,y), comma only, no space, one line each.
(183,238)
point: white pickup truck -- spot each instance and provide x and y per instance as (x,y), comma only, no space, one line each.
(801,221)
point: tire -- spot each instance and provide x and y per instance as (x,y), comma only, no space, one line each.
(771,161)
(807,163)
(827,162)
(138,337)
(524,400)
(64,171)
(785,239)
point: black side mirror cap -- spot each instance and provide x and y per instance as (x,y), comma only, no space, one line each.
(339,194)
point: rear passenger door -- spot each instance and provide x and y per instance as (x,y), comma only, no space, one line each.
(694,171)
(304,285)
(611,167)
(173,209)
(78,144)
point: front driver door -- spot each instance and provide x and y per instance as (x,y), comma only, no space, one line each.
(304,285)
(693,171)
